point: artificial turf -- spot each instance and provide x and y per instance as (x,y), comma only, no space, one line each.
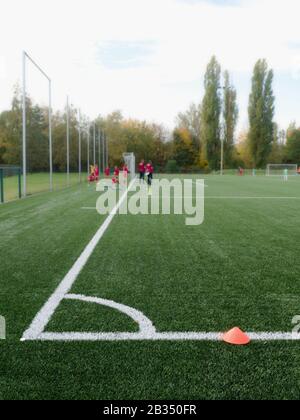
(239,268)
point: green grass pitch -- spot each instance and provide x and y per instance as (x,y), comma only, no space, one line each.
(240,268)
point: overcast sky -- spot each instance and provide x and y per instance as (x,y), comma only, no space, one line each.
(147,57)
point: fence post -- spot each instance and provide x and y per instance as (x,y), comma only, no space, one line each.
(1,185)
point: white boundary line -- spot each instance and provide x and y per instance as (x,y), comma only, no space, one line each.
(216,198)
(43,317)
(166,336)
(249,198)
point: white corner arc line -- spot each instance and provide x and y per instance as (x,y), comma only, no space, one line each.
(44,315)
(145,325)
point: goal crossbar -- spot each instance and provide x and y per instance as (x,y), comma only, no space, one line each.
(280,169)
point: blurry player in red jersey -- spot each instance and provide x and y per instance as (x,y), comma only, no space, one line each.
(149,173)
(142,170)
(116,174)
(115,178)
(125,169)
(91,177)
(107,171)
(241,171)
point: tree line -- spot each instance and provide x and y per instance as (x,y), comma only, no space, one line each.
(194,145)
(148,141)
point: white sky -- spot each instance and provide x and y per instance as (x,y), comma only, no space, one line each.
(147,57)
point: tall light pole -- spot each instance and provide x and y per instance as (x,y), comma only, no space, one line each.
(94,143)
(88,149)
(106,143)
(24,128)
(68,142)
(99,148)
(50,136)
(222,137)
(222,154)
(103,149)
(79,146)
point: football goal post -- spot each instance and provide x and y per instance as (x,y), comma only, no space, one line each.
(129,159)
(280,170)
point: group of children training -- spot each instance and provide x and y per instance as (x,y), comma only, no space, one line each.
(94,173)
(146,170)
(115,179)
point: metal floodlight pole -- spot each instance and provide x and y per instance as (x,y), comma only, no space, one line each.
(222,139)
(88,150)
(24,128)
(94,145)
(24,145)
(99,148)
(222,155)
(68,142)
(79,146)
(106,143)
(103,149)
(50,136)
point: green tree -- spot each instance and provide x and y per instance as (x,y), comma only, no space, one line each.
(11,131)
(242,155)
(171,167)
(277,154)
(37,139)
(59,131)
(293,146)
(261,113)
(147,141)
(184,153)
(210,115)
(230,117)
(191,121)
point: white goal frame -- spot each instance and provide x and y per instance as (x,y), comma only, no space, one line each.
(292,169)
(129,159)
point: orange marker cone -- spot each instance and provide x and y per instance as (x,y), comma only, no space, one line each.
(236,337)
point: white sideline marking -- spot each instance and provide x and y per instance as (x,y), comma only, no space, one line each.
(44,315)
(217,198)
(155,336)
(250,198)
(166,336)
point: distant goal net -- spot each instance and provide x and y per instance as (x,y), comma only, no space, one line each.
(129,159)
(281,170)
